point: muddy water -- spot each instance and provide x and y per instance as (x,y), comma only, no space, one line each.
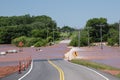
(109,55)
(49,52)
(115,62)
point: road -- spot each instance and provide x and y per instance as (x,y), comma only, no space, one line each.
(78,72)
(49,65)
(43,70)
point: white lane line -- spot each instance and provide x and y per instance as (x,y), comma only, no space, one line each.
(91,70)
(28,71)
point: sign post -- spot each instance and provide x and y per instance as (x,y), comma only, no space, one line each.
(20,45)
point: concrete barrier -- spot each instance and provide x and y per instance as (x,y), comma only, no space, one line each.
(72,54)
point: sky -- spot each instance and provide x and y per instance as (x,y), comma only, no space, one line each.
(74,13)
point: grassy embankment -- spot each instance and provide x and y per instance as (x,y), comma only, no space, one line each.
(96,65)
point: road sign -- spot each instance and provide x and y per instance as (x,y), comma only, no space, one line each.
(75,54)
(20,44)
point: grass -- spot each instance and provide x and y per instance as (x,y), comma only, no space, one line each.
(118,75)
(94,65)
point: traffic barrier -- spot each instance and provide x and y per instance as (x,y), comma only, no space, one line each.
(19,67)
(26,63)
(23,66)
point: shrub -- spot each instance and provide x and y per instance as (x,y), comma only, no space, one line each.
(74,42)
(29,41)
(19,39)
(40,43)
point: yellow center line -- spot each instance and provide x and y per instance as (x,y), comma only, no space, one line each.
(61,73)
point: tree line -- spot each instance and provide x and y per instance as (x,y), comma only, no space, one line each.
(43,30)
(94,29)
(31,30)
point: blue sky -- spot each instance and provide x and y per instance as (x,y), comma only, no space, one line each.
(73,13)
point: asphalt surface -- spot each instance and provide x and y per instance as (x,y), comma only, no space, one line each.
(43,70)
(78,72)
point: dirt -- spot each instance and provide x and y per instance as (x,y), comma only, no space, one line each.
(112,72)
(4,71)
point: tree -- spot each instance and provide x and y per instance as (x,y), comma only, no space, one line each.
(83,39)
(38,33)
(12,27)
(95,28)
(113,37)
(67,28)
(6,34)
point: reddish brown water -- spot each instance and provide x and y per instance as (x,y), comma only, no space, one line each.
(50,52)
(109,55)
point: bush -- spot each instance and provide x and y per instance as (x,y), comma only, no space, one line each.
(40,43)
(74,42)
(29,41)
(83,39)
(19,39)
(110,42)
(49,39)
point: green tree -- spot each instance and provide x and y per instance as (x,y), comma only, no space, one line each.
(12,27)
(22,39)
(83,39)
(95,28)
(38,33)
(113,37)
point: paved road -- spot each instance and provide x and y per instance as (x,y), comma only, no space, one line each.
(43,70)
(78,72)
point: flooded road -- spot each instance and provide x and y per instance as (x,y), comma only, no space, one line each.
(109,55)
(56,51)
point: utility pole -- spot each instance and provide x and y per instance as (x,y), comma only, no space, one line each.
(53,36)
(79,38)
(47,30)
(88,36)
(101,25)
(119,33)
